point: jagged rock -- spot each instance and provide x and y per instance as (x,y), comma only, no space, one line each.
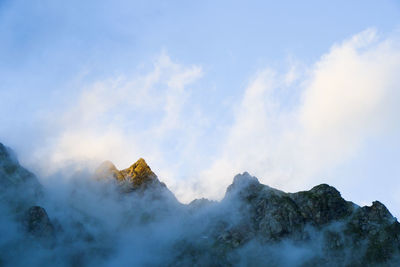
(272,213)
(37,222)
(350,235)
(142,182)
(322,204)
(137,176)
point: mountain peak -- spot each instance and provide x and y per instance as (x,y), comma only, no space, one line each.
(139,168)
(138,174)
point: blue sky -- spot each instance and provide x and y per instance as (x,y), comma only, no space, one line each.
(295,93)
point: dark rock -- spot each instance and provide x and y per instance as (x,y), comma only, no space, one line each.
(37,223)
(272,213)
(322,204)
(349,234)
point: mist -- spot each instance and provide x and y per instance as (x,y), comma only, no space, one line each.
(83,219)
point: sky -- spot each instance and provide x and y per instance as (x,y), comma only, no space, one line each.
(295,93)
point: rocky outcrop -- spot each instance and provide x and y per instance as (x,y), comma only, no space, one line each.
(139,180)
(138,176)
(37,223)
(347,234)
(322,204)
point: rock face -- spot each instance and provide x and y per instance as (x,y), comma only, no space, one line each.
(347,234)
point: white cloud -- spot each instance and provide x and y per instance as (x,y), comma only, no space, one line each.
(119,119)
(289,129)
(351,94)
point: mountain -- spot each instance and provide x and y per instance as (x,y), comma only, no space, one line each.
(20,192)
(129,217)
(347,234)
(138,178)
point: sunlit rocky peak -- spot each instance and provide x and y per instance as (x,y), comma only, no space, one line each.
(137,175)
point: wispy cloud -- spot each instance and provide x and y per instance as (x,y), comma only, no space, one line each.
(289,128)
(350,95)
(120,118)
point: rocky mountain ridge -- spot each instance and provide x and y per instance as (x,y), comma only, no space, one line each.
(138,176)
(252,225)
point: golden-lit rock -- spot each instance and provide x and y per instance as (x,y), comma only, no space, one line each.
(138,173)
(135,176)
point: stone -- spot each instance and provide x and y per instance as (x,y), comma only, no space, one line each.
(137,176)
(37,222)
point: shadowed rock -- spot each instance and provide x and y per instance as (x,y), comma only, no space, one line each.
(348,234)
(322,204)
(37,222)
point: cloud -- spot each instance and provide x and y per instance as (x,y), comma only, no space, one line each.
(289,130)
(120,118)
(352,93)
